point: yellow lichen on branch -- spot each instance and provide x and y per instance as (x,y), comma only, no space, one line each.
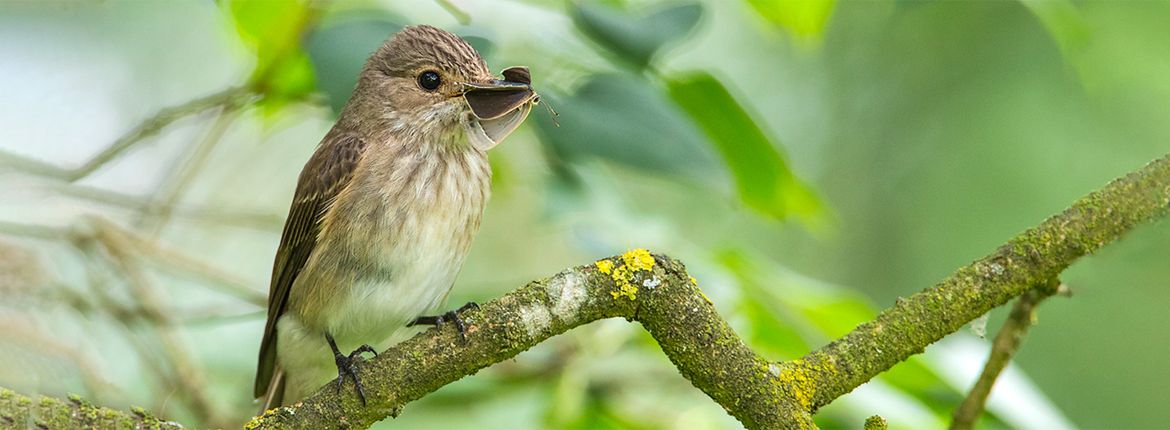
(799,383)
(632,262)
(605,266)
(638,259)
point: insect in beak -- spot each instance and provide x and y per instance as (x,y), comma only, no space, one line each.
(501,105)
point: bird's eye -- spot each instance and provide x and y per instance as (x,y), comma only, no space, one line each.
(429,80)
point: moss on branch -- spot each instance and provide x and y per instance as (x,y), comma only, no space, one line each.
(1032,258)
(18,412)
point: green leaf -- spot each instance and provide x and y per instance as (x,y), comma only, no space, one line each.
(1064,23)
(339,48)
(633,38)
(624,118)
(761,173)
(288,81)
(789,314)
(774,337)
(273,30)
(801,18)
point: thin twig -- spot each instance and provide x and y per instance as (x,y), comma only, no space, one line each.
(147,250)
(1006,343)
(171,190)
(44,232)
(192,384)
(179,262)
(214,315)
(460,15)
(250,220)
(144,129)
(24,329)
(98,267)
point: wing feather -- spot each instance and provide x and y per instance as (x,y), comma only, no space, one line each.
(326,173)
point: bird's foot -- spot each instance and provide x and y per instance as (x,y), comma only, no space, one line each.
(449,316)
(347,366)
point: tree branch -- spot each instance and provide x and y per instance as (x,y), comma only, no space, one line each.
(18,411)
(1006,343)
(1037,255)
(706,351)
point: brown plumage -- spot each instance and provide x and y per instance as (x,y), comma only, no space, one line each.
(386,208)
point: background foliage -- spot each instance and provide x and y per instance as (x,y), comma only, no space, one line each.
(810,160)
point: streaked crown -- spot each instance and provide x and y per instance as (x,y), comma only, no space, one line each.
(422,47)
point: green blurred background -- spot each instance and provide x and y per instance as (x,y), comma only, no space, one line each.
(809,160)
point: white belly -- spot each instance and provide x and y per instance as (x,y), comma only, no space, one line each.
(372,310)
(416,282)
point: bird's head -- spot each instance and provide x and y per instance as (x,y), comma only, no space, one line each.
(424,78)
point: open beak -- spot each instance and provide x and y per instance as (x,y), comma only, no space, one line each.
(499,105)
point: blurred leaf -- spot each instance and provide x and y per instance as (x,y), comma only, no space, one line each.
(835,316)
(762,175)
(774,338)
(339,48)
(801,18)
(778,322)
(917,379)
(273,30)
(289,81)
(484,47)
(790,315)
(624,119)
(567,400)
(1064,24)
(632,38)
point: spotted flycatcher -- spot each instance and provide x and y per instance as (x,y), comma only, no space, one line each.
(385,209)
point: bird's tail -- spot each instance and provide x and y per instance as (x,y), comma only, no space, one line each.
(275,393)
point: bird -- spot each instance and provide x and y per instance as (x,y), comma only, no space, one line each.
(385,210)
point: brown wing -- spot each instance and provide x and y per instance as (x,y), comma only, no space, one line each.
(324,175)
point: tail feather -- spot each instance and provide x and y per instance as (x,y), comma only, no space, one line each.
(275,393)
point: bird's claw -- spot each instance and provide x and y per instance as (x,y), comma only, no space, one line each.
(347,366)
(449,316)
